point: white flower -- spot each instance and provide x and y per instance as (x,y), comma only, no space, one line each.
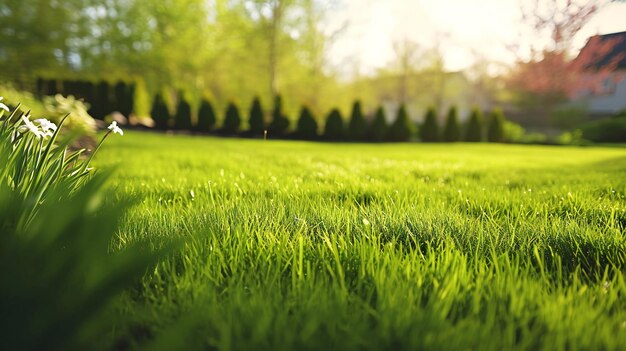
(113,127)
(47,127)
(31,127)
(3,106)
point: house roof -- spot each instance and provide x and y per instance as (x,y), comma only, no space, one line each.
(606,51)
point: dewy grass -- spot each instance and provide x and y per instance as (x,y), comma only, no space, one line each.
(295,245)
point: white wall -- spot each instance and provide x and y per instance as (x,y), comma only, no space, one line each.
(609,103)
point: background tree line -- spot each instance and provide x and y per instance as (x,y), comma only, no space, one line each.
(235,50)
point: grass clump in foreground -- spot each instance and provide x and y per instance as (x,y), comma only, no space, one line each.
(59,281)
(293,245)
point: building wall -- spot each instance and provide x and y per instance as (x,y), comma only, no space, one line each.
(609,103)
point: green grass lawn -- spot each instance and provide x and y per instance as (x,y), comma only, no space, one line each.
(295,245)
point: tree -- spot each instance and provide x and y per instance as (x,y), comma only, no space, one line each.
(452,130)
(561,20)
(495,132)
(546,80)
(232,120)
(334,128)
(406,55)
(474,130)
(429,131)
(307,125)
(357,127)
(182,119)
(257,122)
(400,130)
(280,123)
(378,128)
(159,113)
(206,117)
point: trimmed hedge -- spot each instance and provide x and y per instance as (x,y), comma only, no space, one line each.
(334,128)
(607,130)
(159,113)
(206,117)
(400,130)
(378,128)
(182,119)
(307,125)
(429,131)
(495,132)
(357,128)
(257,122)
(474,130)
(232,120)
(280,123)
(452,130)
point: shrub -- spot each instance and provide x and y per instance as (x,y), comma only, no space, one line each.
(513,132)
(357,127)
(334,128)
(206,117)
(400,130)
(608,130)
(54,108)
(429,131)
(307,125)
(280,123)
(79,120)
(474,130)
(159,113)
(182,119)
(495,131)
(257,122)
(452,130)
(232,121)
(378,128)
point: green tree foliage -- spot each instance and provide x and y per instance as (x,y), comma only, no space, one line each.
(307,125)
(474,130)
(280,123)
(452,130)
(378,128)
(400,130)
(495,131)
(159,113)
(257,122)
(334,128)
(357,127)
(429,131)
(182,119)
(232,121)
(206,117)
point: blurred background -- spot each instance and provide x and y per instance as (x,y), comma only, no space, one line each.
(549,64)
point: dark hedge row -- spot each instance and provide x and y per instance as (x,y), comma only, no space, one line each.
(102,97)
(358,128)
(105,98)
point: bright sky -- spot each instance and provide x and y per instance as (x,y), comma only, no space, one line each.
(465,28)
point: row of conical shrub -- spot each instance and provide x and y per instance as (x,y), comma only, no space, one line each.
(103,98)
(358,127)
(474,128)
